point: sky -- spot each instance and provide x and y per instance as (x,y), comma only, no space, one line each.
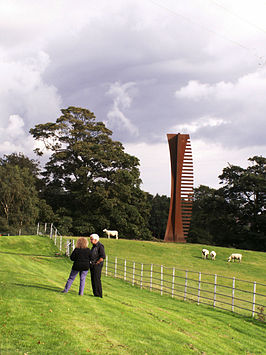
(145,68)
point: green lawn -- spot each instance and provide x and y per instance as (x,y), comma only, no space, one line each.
(35,318)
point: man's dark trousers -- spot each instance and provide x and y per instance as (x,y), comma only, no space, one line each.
(96,271)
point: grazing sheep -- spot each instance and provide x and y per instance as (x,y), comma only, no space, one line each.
(213,255)
(205,253)
(235,257)
(111,233)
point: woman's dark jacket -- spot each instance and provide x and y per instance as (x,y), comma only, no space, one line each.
(81,258)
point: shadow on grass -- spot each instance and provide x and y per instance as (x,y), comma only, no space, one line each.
(39,255)
(40,286)
(48,288)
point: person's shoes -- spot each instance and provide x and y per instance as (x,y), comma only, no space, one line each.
(63,291)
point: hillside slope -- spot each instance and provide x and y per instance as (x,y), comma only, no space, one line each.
(35,318)
(188,256)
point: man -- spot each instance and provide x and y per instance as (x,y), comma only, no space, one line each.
(97,257)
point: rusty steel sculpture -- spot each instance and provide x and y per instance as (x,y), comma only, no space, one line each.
(180,210)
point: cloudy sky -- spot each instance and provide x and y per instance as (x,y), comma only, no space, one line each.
(146,68)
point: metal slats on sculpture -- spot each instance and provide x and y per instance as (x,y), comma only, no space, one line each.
(180,210)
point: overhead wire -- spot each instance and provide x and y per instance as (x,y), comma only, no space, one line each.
(261,59)
(237,16)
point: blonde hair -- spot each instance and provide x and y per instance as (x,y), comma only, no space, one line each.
(82,243)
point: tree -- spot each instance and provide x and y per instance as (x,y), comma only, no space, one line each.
(246,189)
(212,220)
(18,197)
(159,215)
(233,215)
(91,176)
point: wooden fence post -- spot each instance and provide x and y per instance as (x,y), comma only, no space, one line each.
(73,245)
(151,277)
(214,294)
(133,273)
(173,282)
(106,265)
(125,270)
(38,228)
(51,231)
(233,293)
(185,293)
(161,280)
(141,275)
(254,299)
(115,265)
(67,248)
(199,288)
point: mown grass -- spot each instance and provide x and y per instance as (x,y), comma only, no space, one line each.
(188,257)
(35,318)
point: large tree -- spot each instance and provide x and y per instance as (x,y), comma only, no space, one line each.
(246,191)
(91,177)
(18,198)
(235,214)
(159,215)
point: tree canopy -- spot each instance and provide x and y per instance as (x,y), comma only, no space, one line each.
(235,214)
(18,193)
(91,176)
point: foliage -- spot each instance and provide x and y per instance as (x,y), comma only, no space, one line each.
(235,214)
(159,215)
(18,197)
(91,176)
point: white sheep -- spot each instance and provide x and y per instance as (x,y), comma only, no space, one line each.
(235,257)
(205,253)
(111,233)
(213,255)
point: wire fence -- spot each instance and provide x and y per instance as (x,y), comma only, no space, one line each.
(227,293)
(231,294)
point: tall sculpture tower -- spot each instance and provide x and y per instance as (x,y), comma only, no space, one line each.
(181,188)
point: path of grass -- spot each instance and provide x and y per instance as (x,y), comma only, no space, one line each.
(35,318)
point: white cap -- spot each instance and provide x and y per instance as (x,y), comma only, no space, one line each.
(94,236)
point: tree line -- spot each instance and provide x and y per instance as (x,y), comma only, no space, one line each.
(90,183)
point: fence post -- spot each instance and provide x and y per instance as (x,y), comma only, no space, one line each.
(67,248)
(55,239)
(161,280)
(106,265)
(214,294)
(185,293)
(73,245)
(133,273)
(38,228)
(51,231)
(233,293)
(141,275)
(254,299)
(173,282)
(151,277)
(45,226)
(125,270)
(199,288)
(115,265)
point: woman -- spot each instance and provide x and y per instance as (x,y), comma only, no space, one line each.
(81,258)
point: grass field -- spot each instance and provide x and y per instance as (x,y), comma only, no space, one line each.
(35,318)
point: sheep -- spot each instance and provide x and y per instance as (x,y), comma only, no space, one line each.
(235,257)
(213,255)
(111,233)
(205,253)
